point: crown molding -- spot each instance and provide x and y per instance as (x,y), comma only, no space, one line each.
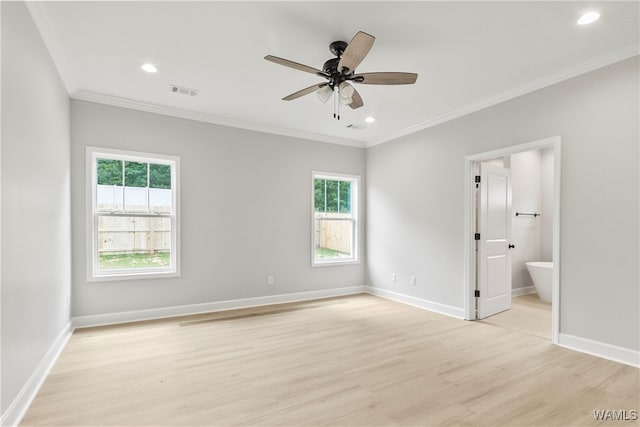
(209,118)
(45,28)
(566,74)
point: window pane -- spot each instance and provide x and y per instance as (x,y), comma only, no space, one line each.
(133,243)
(333,238)
(344,188)
(160,200)
(160,196)
(135,199)
(135,174)
(109,172)
(159,176)
(109,198)
(319,195)
(109,191)
(332,196)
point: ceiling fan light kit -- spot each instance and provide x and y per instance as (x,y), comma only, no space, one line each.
(346,93)
(325,93)
(339,71)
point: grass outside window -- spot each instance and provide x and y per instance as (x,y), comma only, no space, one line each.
(128,261)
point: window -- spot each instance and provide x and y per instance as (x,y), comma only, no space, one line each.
(132,216)
(335,208)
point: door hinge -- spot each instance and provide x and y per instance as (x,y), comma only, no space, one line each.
(476,236)
(476,293)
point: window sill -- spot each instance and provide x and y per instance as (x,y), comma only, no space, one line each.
(334,262)
(133,276)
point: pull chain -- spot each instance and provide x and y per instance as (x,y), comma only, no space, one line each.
(334,105)
(336,102)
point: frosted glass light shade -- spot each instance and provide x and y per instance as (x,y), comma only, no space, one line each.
(346,93)
(324,93)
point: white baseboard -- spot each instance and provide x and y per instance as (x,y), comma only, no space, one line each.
(185,310)
(18,408)
(600,349)
(525,290)
(417,302)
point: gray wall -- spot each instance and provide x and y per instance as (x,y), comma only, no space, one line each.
(415,200)
(246,210)
(36,253)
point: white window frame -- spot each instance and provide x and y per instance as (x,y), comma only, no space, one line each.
(93,273)
(355,219)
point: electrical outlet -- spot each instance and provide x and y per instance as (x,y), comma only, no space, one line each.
(270,280)
(393,277)
(413,280)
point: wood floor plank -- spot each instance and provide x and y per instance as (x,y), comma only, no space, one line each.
(358,360)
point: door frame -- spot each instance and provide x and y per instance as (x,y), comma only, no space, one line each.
(471,163)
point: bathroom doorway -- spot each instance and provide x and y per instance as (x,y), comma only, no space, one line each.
(507,229)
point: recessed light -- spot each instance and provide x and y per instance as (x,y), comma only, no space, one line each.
(149,68)
(589,18)
(370,119)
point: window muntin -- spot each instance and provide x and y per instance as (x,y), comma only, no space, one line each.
(133,213)
(334,219)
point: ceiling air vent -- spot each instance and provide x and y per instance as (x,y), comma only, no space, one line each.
(354,126)
(183,90)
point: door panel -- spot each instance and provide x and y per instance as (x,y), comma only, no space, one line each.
(496,267)
(494,226)
(496,207)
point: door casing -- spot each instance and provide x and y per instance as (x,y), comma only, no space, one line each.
(471,165)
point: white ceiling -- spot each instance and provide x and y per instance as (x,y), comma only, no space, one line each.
(468,55)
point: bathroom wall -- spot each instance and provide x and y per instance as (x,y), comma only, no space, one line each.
(526,231)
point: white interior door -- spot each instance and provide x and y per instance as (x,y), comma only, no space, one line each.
(494,226)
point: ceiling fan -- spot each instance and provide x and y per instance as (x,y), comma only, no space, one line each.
(340,72)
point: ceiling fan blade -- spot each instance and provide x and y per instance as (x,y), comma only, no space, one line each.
(295,65)
(304,91)
(355,52)
(357,100)
(386,78)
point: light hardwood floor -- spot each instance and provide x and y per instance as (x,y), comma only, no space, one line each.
(528,314)
(358,360)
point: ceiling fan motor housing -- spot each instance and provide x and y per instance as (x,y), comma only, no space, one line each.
(331,66)
(337,48)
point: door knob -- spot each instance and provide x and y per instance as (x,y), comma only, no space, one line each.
(511,246)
